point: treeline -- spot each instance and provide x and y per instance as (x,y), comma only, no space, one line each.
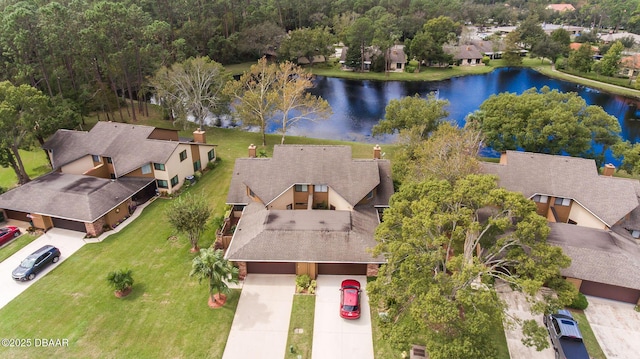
(97,53)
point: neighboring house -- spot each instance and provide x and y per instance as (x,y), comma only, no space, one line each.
(304,60)
(587,212)
(465,55)
(630,65)
(492,50)
(100,176)
(397,58)
(560,7)
(307,210)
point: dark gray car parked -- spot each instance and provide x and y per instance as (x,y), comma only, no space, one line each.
(36,262)
(565,335)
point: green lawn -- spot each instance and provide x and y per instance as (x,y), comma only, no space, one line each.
(590,341)
(35,163)
(16,245)
(302,314)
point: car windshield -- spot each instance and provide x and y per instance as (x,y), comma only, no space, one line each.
(350,308)
(27,263)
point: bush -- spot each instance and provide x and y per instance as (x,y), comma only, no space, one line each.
(486,60)
(579,302)
(120,279)
(303,281)
(410,69)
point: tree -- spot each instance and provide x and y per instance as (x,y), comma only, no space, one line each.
(610,62)
(547,48)
(530,32)
(21,109)
(211,266)
(261,39)
(254,98)
(512,50)
(121,281)
(581,60)
(412,115)
(630,156)
(189,214)
(193,87)
(359,37)
(442,29)
(444,244)
(307,43)
(545,122)
(293,101)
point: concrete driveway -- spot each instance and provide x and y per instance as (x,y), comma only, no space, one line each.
(261,323)
(519,308)
(334,337)
(616,326)
(67,241)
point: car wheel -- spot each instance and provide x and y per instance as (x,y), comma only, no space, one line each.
(56,259)
(31,276)
(16,234)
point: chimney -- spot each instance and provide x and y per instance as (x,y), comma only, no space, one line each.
(199,136)
(252,151)
(376,152)
(608,170)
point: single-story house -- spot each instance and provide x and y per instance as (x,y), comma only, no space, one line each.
(307,210)
(465,55)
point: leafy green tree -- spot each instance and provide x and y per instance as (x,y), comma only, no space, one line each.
(511,54)
(211,266)
(189,214)
(442,29)
(120,280)
(561,36)
(412,116)
(545,122)
(630,156)
(261,39)
(581,60)
(530,32)
(307,43)
(193,87)
(359,37)
(610,63)
(547,48)
(445,243)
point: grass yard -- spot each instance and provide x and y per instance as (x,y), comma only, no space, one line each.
(15,245)
(35,163)
(302,314)
(590,341)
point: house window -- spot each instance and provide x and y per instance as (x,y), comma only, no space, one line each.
(562,201)
(183,155)
(370,195)
(399,65)
(301,188)
(540,198)
(146,169)
(158,166)
(162,184)
(250,193)
(174,181)
(96,158)
(196,165)
(109,160)
(320,188)
(211,154)
(112,176)
(635,234)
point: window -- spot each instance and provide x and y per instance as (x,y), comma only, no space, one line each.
(158,166)
(211,154)
(250,193)
(196,165)
(540,198)
(109,160)
(562,201)
(183,155)
(370,195)
(174,181)
(635,234)
(301,188)
(96,158)
(162,184)
(320,188)
(113,176)
(146,169)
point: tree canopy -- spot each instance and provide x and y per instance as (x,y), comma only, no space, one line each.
(545,121)
(412,114)
(188,214)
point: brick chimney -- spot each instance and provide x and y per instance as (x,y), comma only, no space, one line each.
(252,151)
(199,136)
(376,152)
(608,170)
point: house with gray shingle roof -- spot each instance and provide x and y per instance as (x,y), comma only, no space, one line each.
(307,210)
(465,55)
(397,58)
(594,218)
(100,175)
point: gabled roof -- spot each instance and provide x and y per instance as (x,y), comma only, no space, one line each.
(70,196)
(560,7)
(608,198)
(351,178)
(463,52)
(631,62)
(316,236)
(396,54)
(597,255)
(128,146)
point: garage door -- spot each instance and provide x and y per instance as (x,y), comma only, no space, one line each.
(342,268)
(20,216)
(610,292)
(271,267)
(68,224)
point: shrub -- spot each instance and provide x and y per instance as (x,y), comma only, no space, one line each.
(486,60)
(579,302)
(410,69)
(304,283)
(120,279)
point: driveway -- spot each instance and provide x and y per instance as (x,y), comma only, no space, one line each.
(67,241)
(518,307)
(334,337)
(261,323)
(616,326)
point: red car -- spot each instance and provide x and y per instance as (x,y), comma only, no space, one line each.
(350,299)
(8,233)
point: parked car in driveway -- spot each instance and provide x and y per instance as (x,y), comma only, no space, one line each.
(8,233)
(565,335)
(36,262)
(350,299)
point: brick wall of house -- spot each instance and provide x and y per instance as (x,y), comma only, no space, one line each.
(242,266)
(372,270)
(95,228)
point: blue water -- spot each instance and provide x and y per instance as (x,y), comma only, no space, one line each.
(358,105)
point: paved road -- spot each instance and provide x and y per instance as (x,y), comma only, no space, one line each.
(67,241)
(261,323)
(334,337)
(616,327)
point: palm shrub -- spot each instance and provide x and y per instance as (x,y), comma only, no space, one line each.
(120,280)
(211,266)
